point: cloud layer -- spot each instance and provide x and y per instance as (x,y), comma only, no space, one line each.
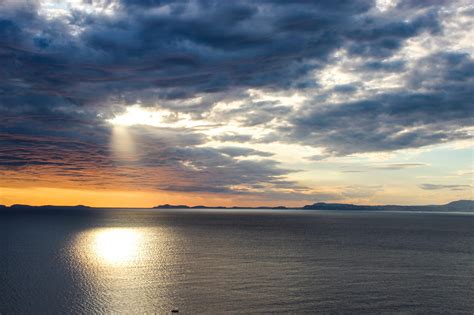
(341,77)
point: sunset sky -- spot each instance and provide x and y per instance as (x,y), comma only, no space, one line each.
(142,102)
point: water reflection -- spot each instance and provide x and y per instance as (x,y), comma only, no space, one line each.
(117,246)
(126,269)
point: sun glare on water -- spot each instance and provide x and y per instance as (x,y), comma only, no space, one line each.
(117,246)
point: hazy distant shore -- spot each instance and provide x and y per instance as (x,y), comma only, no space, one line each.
(455,206)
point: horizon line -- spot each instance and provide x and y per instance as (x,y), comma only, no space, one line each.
(164,206)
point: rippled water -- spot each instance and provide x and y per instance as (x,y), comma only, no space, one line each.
(214,261)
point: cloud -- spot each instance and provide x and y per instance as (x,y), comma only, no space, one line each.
(232,137)
(361,191)
(440,187)
(179,49)
(65,71)
(436,109)
(398,166)
(72,151)
(237,151)
(382,167)
(319,157)
(384,66)
(346,88)
(383,36)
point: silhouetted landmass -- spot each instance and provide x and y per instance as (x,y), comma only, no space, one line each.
(18,208)
(204,207)
(167,206)
(460,205)
(46,207)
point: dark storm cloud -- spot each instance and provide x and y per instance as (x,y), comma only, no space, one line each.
(383,36)
(385,66)
(346,88)
(151,49)
(412,4)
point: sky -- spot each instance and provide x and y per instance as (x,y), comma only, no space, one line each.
(136,103)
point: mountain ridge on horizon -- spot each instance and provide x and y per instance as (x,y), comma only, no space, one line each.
(457,205)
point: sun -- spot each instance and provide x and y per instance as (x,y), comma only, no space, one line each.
(136,115)
(162,118)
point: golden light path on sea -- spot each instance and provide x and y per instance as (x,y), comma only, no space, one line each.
(125,268)
(117,246)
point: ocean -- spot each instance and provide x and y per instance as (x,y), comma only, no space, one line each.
(139,261)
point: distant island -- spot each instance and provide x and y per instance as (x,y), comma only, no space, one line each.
(460,206)
(167,206)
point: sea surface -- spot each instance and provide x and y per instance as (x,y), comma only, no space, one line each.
(242,261)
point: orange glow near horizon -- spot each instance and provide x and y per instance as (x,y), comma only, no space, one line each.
(37,196)
(116,198)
